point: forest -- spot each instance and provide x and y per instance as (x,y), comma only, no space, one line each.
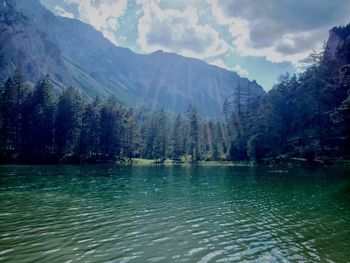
(304,116)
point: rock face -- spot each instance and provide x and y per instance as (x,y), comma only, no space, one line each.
(20,42)
(74,53)
(338,38)
(334,43)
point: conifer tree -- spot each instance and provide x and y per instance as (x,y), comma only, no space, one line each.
(178,141)
(160,140)
(110,130)
(68,123)
(40,114)
(12,101)
(132,136)
(90,131)
(194,132)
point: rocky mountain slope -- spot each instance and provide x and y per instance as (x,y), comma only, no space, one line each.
(74,53)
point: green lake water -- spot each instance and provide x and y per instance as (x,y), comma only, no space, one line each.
(106,213)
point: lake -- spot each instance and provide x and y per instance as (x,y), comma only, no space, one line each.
(107,213)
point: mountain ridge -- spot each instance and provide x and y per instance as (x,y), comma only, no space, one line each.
(97,67)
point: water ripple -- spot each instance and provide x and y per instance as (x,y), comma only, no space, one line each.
(159,214)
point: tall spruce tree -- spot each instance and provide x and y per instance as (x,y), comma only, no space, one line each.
(132,135)
(193,117)
(178,144)
(160,139)
(110,130)
(68,124)
(39,122)
(90,131)
(12,101)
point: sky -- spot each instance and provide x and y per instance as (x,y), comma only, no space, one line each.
(258,39)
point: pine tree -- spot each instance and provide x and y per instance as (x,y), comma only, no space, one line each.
(8,111)
(1,109)
(194,132)
(12,100)
(110,130)
(206,141)
(90,132)
(132,136)
(68,123)
(160,140)
(39,122)
(178,141)
(148,135)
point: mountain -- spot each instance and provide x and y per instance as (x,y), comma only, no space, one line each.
(338,43)
(74,53)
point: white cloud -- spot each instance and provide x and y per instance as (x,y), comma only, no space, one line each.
(279,30)
(177,31)
(238,69)
(241,71)
(101,14)
(147,2)
(61,12)
(220,64)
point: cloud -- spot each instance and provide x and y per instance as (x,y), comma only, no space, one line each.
(241,71)
(219,63)
(147,2)
(101,14)
(238,69)
(279,30)
(177,31)
(61,12)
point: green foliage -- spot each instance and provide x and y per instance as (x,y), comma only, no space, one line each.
(178,140)
(302,116)
(13,96)
(39,122)
(68,123)
(90,131)
(193,117)
(132,138)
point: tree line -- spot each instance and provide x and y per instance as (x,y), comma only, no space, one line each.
(36,125)
(305,115)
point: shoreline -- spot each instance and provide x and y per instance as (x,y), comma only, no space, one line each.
(295,162)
